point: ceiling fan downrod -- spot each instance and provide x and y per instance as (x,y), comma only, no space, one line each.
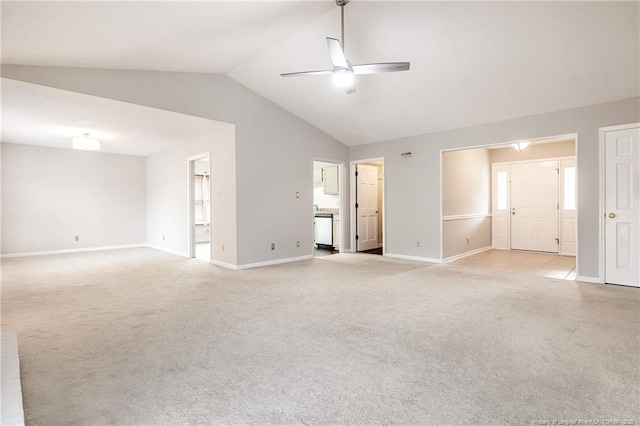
(342,4)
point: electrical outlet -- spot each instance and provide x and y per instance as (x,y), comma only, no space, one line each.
(297,243)
(417,243)
(162,237)
(77,237)
(273,246)
(222,249)
(468,240)
(297,195)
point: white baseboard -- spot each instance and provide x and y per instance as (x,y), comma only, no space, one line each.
(592,280)
(274,262)
(416,258)
(12,410)
(224,264)
(66,251)
(465,254)
(177,253)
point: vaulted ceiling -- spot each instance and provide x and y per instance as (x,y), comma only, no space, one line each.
(471,63)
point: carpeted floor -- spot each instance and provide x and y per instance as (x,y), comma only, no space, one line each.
(143,337)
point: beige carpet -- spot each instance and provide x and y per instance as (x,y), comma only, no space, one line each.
(144,337)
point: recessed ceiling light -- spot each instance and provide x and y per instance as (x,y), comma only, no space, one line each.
(86,143)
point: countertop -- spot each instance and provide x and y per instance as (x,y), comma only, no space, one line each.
(335,212)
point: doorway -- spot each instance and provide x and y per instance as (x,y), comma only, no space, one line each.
(327,202)
(368,199)
(534,206)
(620,149)
(512,207)
(200,207)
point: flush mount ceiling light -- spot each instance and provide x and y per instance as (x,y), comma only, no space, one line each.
(520,146)
(86,143)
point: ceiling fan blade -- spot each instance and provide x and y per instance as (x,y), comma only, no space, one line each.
(294,74)
(380,67)
(337,54)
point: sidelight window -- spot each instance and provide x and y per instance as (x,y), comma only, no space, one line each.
(569,188)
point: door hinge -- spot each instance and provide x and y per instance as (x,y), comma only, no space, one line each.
(558,171)
(558,241)
(356,173)
(356,205)
(558,206)
(357,237)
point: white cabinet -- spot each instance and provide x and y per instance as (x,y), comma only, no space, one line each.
(336,231)
(331,180)
(317,175)
(327,177)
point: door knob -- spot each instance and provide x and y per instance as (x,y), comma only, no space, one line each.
(612,215)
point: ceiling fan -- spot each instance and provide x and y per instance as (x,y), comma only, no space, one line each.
(343,71)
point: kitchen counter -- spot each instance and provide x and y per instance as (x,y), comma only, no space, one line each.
(334,212)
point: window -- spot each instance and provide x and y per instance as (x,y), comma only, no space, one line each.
(201,199)
(502,191)
(569,188)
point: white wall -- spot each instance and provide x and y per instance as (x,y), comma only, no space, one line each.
(466,182)
(168,196)
(274,149)
(412,188)
(466,190)
(50,195)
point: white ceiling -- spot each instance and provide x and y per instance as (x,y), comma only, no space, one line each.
(471,63)
(38,115)
(209,37)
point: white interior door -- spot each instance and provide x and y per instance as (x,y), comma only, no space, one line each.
(367,210)
(500,207)
(534,206)
(622,203)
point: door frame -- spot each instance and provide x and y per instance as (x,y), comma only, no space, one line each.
(342,186)
(560,191)
(352,200)
(191,232)
(573,136)
(601,188)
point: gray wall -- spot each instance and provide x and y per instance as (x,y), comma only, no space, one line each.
(534,152)
(50,195)
(273,147)
(456,232)
(412,186)
(167,195)
(466,182)
(466,190)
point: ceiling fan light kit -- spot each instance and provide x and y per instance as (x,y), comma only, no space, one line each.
(343,71)
(342,77)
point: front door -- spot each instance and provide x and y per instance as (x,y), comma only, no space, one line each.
(622,204)
(367,206)
(534,206)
